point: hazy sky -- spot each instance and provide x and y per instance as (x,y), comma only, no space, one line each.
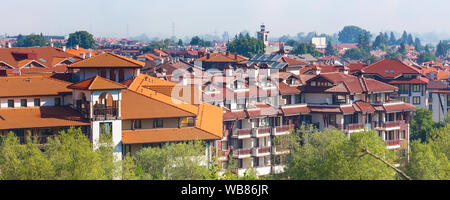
(191,17)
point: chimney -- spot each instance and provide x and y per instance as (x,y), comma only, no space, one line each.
(89,54)
(316,70)
(76,47)
(8,44)
(51,44)
(83,55)
(64,48)
(207,56)
(227,53)
(235,56)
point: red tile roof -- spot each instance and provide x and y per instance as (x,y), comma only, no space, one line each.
(107,60)
(165,135)
(394,68)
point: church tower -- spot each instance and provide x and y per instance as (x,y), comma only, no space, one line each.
(263,35)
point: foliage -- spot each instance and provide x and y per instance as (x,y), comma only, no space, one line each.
(67,156)
(177,161)
(380,42)
(32,40)
(330,50)
(350,34)
(246,46)
(421,124)
(425,57)
(330,155)
(305,48)
(364,41)
(392,55)
(200,42)
(355,54)
(442,48)
(81,38)
(430,160)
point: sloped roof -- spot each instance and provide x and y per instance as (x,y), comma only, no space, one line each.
(394,68)
(140,136)
(96,83)
(138,106)
(47,56)
(39,117)
(32,86)
(107,60)
(222,57)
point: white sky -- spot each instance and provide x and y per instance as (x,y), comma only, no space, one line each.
(192,17)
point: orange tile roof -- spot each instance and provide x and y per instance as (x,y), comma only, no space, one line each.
(22,86)
(96,83)
(47,56)
(209,117)
(80,50)
(222,57)
(39,117)
(165,135)
(138,106)
(107,60)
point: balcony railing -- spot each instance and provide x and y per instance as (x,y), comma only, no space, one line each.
(388,124)
(242,152)
(261,131)
(261,151)
(242,133)
(282,128)
(106,113)
(393,142)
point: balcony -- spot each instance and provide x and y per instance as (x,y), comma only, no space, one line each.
(242,153)
(278,150)
(389,125)
(242,133)
(261,151)
(261,132)
(106,113)
(393,144)
(282,130)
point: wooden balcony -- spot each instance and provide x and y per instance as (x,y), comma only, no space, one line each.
(242,153)
(107,113)
(261,131)
(242,133)
(282,130)
(387,125)
(261,151)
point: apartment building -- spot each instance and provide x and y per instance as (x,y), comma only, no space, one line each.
(137,112)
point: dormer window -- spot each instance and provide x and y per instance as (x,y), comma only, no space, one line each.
(386,71)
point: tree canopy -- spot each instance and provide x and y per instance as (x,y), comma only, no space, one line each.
(32,40)
(246,46)
(350,34)
(331,155)
(82,39)
(200,42)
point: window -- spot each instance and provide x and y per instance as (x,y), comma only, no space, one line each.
(403,89)
(157,123)
(37,102)
(390,117)
(105,128)
(57,101)
(255,162)
(403,135)
(10,103)
(187,121)
(137,124)
(404,99)
(23,102)
(416,88)
(416,100)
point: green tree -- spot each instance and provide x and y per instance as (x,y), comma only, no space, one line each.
(180,42)
(177,161)
(417,44)
(305,48)
(200,42)
(330,50)
(425,57)
(364,41)
(392,55)
(421,124)
(350,34)
(392,39)
(430,160)
(380,42)
(31,41)
(23,162)
(81,38)
(355,54)
(402,49)
(331,155)
(442,48)
(246,46)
